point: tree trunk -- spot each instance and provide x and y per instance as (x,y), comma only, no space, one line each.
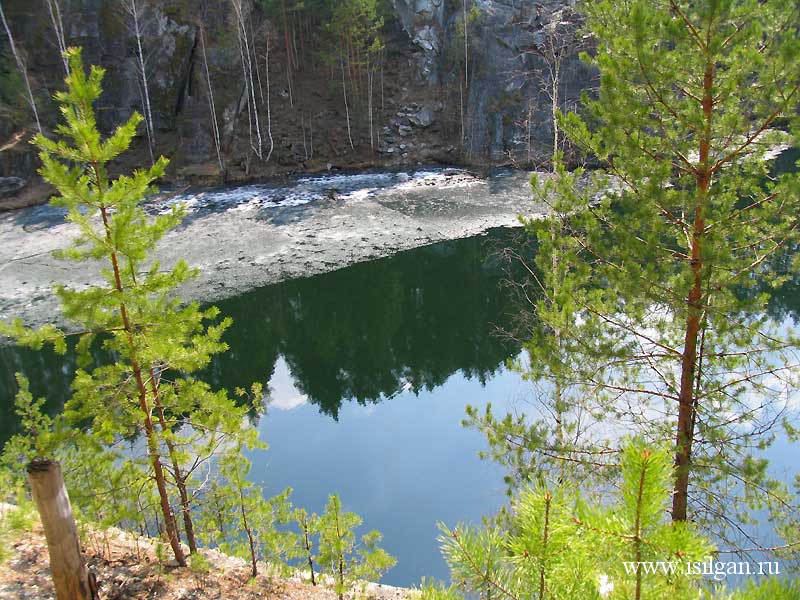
(346,107)
(58,27)
(466,47)
(149,430)
(212,107)
(22,69)
(180,477)
(370,78)
(71,579)
(269,106)
(556,71)
(686,400)
(151,141)
(307,543)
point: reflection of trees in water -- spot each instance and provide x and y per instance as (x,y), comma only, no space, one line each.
(782,266)
(363,332)
(50,377)
(367,331)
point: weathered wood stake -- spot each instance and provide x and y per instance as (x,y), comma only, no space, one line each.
(70,575)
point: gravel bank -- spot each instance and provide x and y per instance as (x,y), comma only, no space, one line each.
(250,236)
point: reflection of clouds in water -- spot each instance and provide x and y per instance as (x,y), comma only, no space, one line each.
(282,393)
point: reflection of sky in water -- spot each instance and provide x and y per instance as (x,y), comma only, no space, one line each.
(402,464)
(406,463)
(283,394)
(374,330)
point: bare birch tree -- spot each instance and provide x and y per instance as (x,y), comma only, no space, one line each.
(54,9)
(212,107)
(137,27)
(466,45)
(346,107)
(269,106)
(22,69)
(247,72)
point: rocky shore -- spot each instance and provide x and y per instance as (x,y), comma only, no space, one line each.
(245,237)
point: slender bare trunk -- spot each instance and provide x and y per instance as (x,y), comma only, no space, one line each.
(269,107)
(346,108)
(311,134)
(148,113)
(530,128)
(58,26)
(248,530)
(22,69)
(254,59)
(461,105)
(212,107)
(556,77)
(370,79)
(466,47)
(289,53)
(247,70)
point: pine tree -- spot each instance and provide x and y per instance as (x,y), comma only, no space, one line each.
(135,316)
(347,561)
(557,547)
(245,523)
(689,93)
(308,527)
(659,314)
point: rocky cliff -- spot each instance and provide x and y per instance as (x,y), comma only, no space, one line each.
(436,96)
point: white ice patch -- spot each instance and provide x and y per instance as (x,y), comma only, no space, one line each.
(350,187)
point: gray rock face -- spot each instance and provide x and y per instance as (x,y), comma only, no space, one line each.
(506,107)
(11,185)
(508,104)
(423,118)
(509,108)
(423,21)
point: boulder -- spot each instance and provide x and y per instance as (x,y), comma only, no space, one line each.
(11,185)
(422,118)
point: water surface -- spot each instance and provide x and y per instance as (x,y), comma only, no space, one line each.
(369,369)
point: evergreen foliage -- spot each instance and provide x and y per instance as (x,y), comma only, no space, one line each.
(653,293)
(558,546)
(146,395)
(237,516)
(349,561)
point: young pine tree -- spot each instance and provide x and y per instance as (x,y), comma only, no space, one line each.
(134,315)
(236,515)
(308,526)
(556,548)
(347,561)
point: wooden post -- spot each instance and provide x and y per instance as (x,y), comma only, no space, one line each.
(70,576)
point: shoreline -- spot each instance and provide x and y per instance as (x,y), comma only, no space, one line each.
(128,565)
(249,236)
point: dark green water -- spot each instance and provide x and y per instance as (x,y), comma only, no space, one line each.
(369,369)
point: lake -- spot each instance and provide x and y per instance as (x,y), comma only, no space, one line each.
(369,370)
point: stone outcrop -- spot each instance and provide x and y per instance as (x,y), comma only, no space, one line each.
(506,110)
